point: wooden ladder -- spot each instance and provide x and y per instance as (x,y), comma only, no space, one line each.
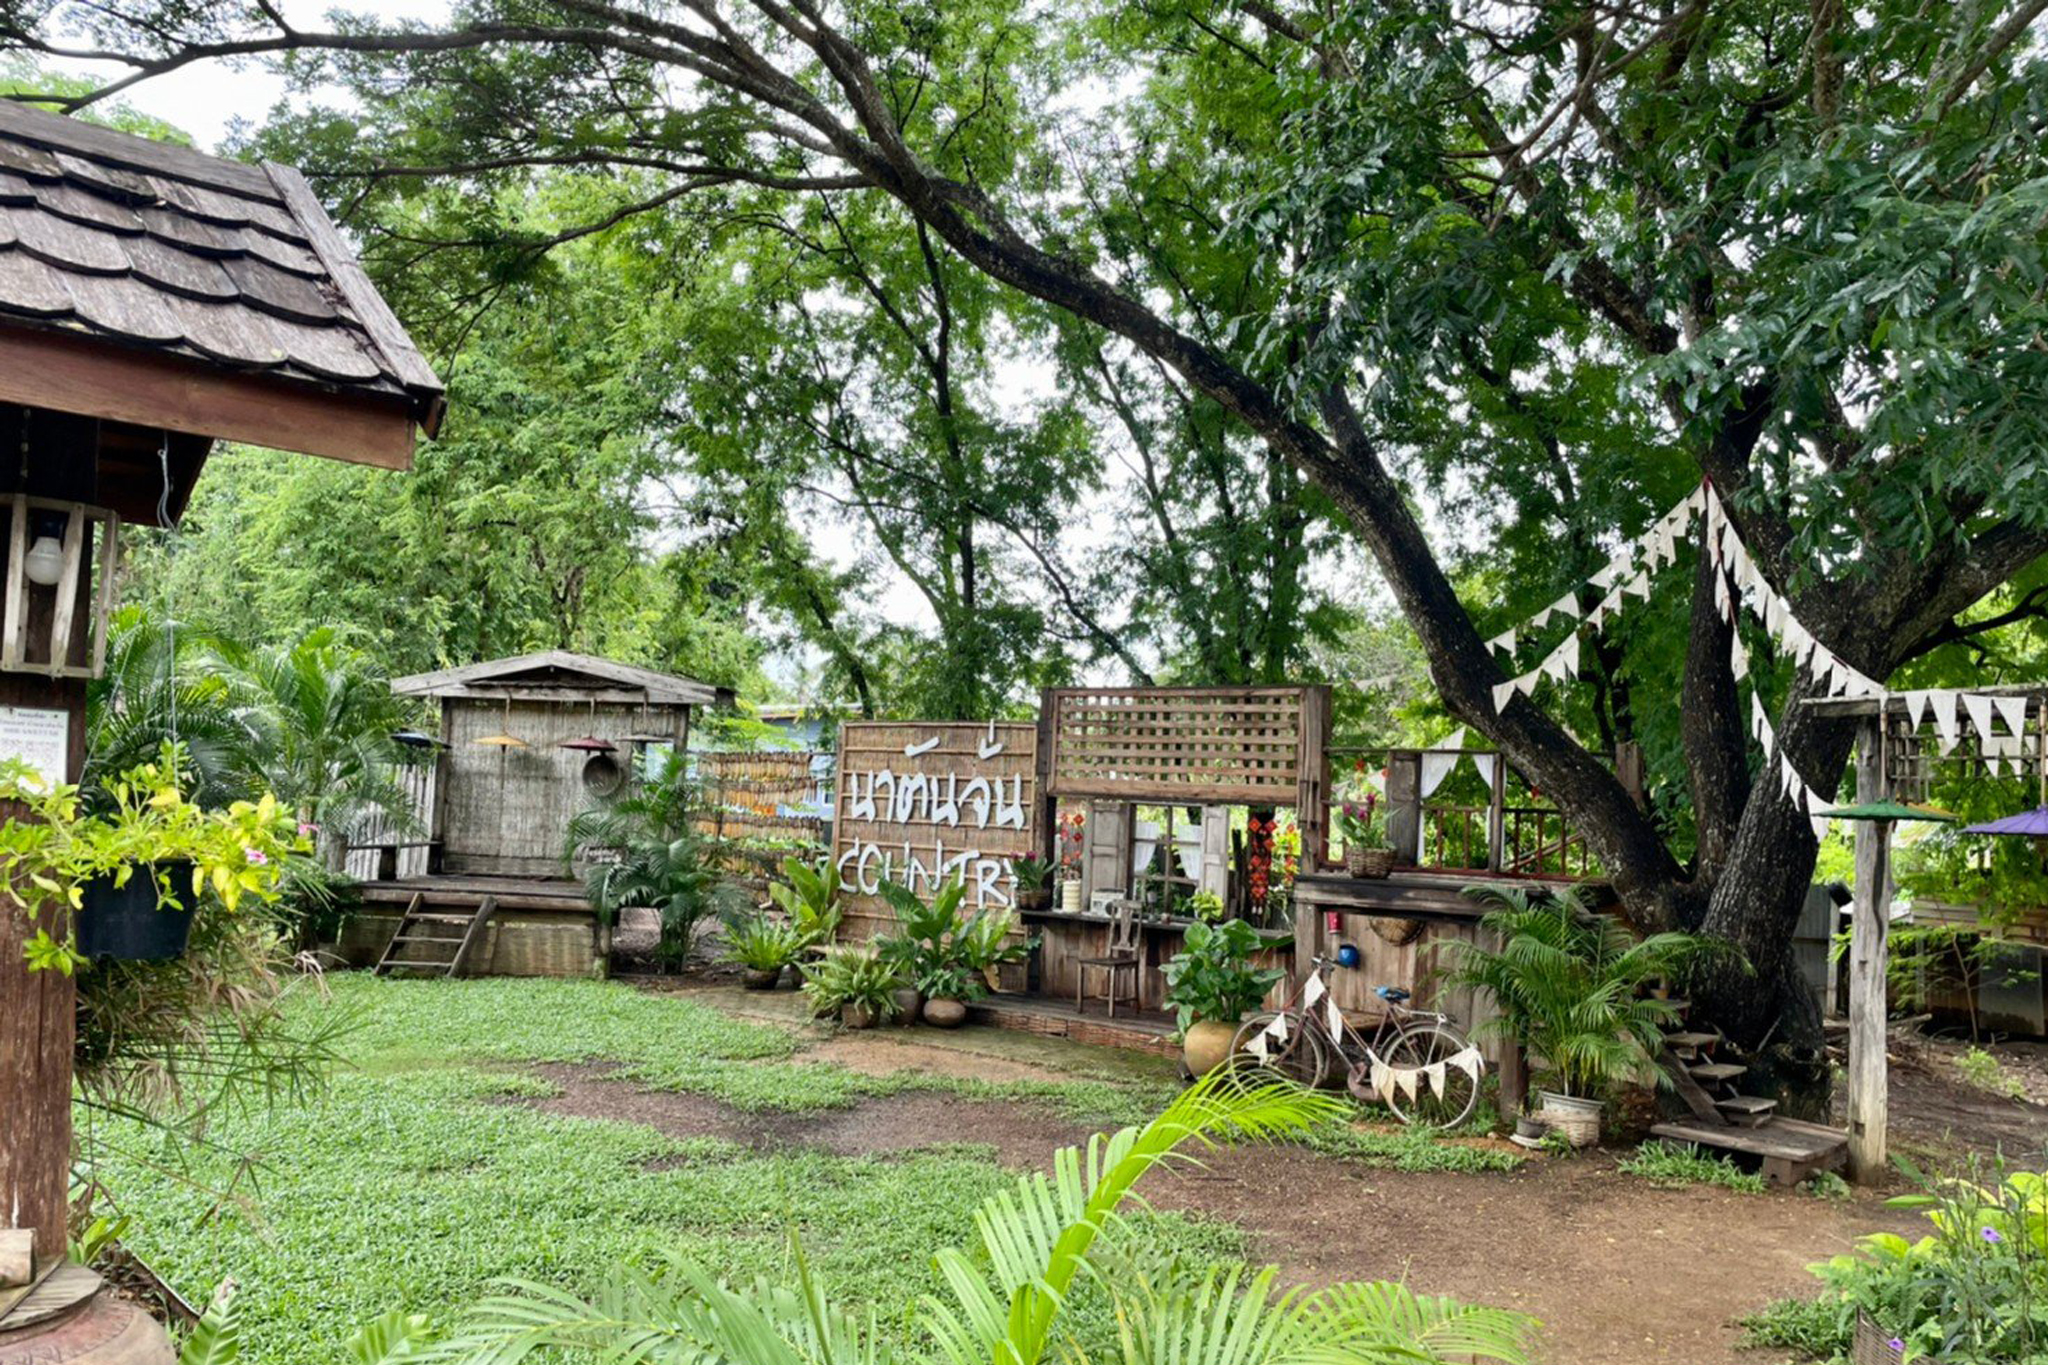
(414,926)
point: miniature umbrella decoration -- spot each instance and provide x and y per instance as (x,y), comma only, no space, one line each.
(1887,810)
(590,744)
(504,742)
(2032,824)
(413,739)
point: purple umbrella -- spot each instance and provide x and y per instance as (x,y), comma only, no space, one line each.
(2032,824)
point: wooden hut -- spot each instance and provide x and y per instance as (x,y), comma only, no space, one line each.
(526,744)
(153,300)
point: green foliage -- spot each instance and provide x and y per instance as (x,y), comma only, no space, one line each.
(810,897)
(852,974)
(215,1339)
(761,944)
(1982,1070)
(1406,1147)
(1211,978)
(1675,1165)
(1974,1291)
(393,1338)
(942,950)
(1009,1299)
(1809,1327)
(1031,874)
(149,828)
(1570,986)
(639,851)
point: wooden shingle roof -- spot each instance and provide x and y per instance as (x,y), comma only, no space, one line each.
(557,675)
(232,266)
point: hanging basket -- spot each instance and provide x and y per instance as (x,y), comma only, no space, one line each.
(1399,932)
(1369,862)
(125,922)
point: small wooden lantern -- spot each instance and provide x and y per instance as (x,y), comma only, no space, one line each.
(59,587)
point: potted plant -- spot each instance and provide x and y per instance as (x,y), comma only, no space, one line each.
(125,880)
(1363,826)
(1212,985)
(761,947)
(852,981)
(1034,883)
(983,944)
(1206,906)
(809,896)
(1571,987)
(947,990)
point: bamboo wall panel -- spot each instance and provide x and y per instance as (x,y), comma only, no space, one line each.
(506,811)
(921,803)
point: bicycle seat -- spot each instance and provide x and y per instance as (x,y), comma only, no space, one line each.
(1393,995)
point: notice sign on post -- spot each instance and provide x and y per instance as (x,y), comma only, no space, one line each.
(39,737)
(923,804)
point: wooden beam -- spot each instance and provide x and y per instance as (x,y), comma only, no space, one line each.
(99,379)
(1868,954)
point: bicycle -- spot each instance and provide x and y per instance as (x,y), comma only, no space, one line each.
(1409,1044)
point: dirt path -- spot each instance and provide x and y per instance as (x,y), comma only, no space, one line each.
(1620,1272)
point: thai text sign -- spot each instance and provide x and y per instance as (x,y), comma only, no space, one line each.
(923,804)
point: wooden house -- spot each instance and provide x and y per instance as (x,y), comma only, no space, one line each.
(526,743)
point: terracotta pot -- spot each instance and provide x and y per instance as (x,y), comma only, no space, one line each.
(761,978)
(857,1016)
(944,1013)
(1206,1046)
(908,1002)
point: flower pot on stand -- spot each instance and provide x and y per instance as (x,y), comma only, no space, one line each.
(126,922)
(1578,1119)
(1206,1046)
(908,1001)
(942,1012)
(761,978)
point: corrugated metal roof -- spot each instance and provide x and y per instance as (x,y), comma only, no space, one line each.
(154,245)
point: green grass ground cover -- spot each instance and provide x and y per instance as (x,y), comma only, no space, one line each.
(402,1186)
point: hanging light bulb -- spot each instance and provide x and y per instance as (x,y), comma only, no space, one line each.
(44,562)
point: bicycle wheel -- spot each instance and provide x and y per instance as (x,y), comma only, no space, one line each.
(1424,1045)
(1301,1056)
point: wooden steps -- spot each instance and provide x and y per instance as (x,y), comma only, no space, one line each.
(1791,1150)
(414,932)
(1710,1073)
(1747,1111)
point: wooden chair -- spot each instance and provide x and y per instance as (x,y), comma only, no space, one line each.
(1123,956)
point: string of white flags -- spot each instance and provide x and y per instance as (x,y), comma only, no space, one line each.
(1998,721)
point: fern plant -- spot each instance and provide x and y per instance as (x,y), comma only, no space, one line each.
(1003,1301)
(1571,985)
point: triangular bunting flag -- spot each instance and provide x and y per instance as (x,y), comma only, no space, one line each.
(1979,707)
(1567,605)
(1501,693)
(1916,707)
(1503,643)
(2013,711)
(1944,704)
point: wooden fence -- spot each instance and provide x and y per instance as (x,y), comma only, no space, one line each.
(750,806)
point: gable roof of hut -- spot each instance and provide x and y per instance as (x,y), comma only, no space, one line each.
(557,675)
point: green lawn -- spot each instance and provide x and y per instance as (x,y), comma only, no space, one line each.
(404,1186)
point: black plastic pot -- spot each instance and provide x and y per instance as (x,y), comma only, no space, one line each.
(125,922)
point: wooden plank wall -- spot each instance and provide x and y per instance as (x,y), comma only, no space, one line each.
(966,799)
(418,779)
(506,812)
(1417,966)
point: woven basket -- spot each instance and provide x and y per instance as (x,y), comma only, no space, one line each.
(1580,1126)
(1369,862)
(1399,932)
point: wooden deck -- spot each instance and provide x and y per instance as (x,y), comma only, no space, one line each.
(1145,1031)
(1790,1149)
(563,895)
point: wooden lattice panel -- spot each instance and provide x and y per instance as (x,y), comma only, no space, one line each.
(920,803)
(1223,746)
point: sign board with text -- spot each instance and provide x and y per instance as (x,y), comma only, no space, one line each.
(921,804)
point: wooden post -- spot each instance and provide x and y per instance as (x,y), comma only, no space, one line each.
(36,1028)
(1497,815)
(1312,805)
(1868,953)
(1404,806)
